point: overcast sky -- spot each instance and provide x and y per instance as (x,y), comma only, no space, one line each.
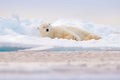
(97,11)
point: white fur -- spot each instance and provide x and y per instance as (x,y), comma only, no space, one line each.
(70,32)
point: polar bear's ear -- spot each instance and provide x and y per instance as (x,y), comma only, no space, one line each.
(49,24)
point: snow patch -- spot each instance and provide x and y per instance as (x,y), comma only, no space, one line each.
(15,32)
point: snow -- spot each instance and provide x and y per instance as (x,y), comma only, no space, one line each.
(15,32)
(36,71)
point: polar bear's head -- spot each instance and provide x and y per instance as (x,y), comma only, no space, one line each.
(44,29)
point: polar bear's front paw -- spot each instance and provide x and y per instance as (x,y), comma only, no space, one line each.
(77,38)
(73,37)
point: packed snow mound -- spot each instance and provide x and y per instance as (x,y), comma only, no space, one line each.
(15,26)
(15,32)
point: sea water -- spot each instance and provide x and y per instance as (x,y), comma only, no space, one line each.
(7,49)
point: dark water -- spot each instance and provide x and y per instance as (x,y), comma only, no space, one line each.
(84,49)
(7,49)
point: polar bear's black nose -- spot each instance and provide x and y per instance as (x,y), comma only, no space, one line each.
(47,30)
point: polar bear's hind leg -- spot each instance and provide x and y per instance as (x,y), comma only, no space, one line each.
(92,36)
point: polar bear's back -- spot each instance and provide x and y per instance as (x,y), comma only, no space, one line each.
(60,32)
(83,34)
(77,30)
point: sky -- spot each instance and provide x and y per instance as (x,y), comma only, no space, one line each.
(96,11)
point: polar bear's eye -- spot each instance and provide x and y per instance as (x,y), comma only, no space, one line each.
(47,30)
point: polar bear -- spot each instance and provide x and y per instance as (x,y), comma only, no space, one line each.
(69,32)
